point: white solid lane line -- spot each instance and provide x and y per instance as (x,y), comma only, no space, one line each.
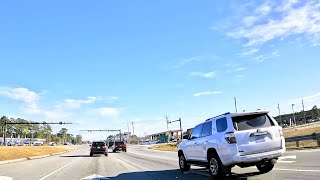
(282,159)
(58,169)
(288,157)
(297,170)
(287,162)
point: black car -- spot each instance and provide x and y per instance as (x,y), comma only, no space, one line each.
(98,147)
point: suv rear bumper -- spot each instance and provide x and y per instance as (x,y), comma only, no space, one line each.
(237,159)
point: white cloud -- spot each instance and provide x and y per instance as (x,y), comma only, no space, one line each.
(76,103)
(261,57)
(185,62)
(310,98)
(20,94)
(204,74)
(241,69)
(206,93)
(114,98)
(280,21)
(107,112)
(249,52)
(263,10)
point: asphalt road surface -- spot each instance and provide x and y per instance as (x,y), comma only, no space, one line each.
(140,163)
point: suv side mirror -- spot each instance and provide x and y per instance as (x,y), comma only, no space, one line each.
(186,136)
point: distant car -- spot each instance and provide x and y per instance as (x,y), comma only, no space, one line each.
(118,146)
(98,147)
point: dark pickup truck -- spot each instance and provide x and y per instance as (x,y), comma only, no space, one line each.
(118,146)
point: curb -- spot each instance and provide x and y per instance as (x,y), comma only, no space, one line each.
(13,161)
(38,157)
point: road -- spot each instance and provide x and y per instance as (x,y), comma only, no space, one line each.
(141,163)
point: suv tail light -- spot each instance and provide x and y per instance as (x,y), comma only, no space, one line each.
(103,147)
(230,138)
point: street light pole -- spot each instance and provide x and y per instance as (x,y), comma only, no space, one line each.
(279,115)
(294,117)
(235,104)
(5,132)
(304,113)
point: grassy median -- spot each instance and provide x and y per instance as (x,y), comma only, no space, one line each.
(10,153)
(165,147)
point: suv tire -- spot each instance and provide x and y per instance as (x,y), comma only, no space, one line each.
(91,154)
(265,167)
(216,167)
(106,154)
(184,166)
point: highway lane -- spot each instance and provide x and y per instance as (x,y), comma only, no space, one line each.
(142,163)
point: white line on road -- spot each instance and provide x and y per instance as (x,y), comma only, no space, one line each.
(58,169)
(297,170)
(288,157)
(286,162)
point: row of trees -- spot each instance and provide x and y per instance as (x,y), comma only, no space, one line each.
(42,131)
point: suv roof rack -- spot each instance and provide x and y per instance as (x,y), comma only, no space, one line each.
(218,116)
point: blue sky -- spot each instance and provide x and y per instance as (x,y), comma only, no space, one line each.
(102,64)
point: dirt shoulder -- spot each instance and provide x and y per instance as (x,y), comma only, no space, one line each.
(11,153)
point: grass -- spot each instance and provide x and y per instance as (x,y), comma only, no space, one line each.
(10,153)
(165,147)
(301,131)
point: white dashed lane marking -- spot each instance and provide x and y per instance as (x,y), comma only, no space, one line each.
(283,159)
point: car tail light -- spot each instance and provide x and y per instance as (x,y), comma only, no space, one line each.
(230,138)
(103,147)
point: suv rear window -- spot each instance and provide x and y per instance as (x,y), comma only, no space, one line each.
(254,121)
(98,144)
(119,143)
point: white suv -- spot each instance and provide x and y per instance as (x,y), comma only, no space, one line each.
(243,139)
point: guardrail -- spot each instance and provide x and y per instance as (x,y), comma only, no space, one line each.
(314,136)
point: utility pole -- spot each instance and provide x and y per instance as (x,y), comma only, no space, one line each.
(294,117)
(279,115)
(128,126)
(5,132)
(167,120)
(235,104)
(132,128)
(304,113)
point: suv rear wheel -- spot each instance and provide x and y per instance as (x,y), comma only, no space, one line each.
(91,154)
(216,167)
(184,166)
(264,168)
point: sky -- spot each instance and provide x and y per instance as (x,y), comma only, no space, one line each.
(106,64)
